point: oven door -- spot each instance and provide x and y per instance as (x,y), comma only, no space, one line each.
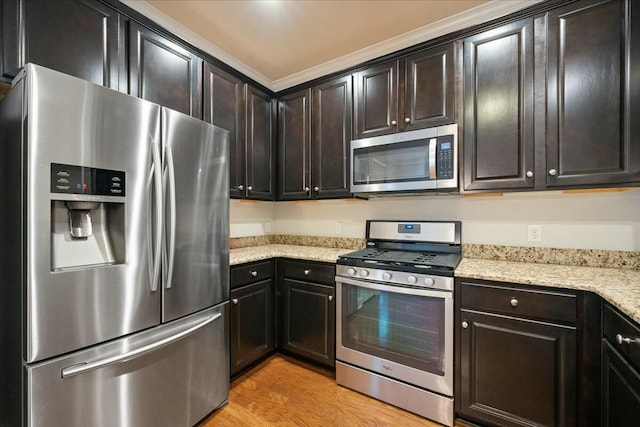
(403,333)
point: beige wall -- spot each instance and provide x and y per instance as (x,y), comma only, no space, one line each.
(586,221)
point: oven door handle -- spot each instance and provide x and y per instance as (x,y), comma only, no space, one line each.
(396,288)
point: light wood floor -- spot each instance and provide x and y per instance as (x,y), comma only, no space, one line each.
(283,392)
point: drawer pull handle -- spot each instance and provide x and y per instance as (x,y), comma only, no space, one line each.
(514,302)
(306,272)
(330,297)
(235,300)
(465,324)
(254,273)
(620,339)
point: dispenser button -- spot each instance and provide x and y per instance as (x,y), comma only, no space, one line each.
(63,181)
(115,185)
(62,187)
(63,173)
(115,179)
(116,191)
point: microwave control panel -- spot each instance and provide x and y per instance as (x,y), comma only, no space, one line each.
(72,179)
(445,157)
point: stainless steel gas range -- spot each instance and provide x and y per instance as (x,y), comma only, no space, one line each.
(394,318)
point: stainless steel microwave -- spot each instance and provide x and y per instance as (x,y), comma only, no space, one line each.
(416,161)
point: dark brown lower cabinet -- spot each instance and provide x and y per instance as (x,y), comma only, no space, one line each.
(620,369)
(517,372)
(621,393)
(308,311)
(252,315)
(526,355)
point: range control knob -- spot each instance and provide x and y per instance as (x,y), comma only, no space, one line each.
(386,275)
(429,281)
(364,273)
(351,271)
(412,280)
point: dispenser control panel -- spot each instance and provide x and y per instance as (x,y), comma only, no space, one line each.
(71,179)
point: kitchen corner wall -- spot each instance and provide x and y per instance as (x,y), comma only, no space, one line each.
(596,220)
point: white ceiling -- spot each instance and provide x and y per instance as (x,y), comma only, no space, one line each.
(281,43)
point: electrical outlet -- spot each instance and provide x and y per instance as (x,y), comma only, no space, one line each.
(268,227)
(534,233)
(338,228)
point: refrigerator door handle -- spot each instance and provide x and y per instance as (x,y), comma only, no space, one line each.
(124,357)
(172,216)
(157,166)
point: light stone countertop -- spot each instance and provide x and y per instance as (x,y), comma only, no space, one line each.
(309,253)
(620,287)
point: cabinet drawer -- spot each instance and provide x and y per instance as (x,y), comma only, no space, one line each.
(250,273)
(519,302)
(616,324)
(310,271)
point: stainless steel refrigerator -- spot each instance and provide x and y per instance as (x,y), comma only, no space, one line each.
(114,278)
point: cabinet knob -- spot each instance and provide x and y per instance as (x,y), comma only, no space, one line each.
(254,273)
(306,272)
(235,300)
(249,188)
(407,120)
(529,174)
(393,123)
(330,297)
(514,302)
(306,189)
(620,339)
(553,172)
(316,189)
(240,187)
(465,324)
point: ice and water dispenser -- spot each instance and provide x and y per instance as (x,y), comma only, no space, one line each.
(87,216)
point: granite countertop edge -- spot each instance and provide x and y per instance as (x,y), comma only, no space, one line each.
(620,287)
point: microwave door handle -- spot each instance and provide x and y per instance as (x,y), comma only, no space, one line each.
(433,143)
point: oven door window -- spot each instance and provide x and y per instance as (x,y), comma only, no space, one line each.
(397,162)
(406,329)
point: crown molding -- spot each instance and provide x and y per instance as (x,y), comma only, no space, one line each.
(478,15)
(196,40)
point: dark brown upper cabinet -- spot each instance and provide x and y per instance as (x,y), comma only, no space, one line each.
(414,92)
(163,72)
(314,131)
(247,114)
(260,153)
(330,137)
(294,146)
(498,108)
(550,101)
(593,94)
(224,106)
(81,38)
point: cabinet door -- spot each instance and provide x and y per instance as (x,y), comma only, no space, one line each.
(429,90)
(224,107)
(252,334)
(163,72)
(621,394)
(331,136)
(498,108)
(76,37)
(261,113)
(376,107)
(294,146)
(516,372)
(593,132)
(309,321)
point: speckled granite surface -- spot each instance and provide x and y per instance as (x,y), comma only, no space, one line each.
(621,287)
(613,275)
(575,257)
(311,253)
(283,239)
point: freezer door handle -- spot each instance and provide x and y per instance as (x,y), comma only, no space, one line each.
(157,167)
(171,239)
(124,357)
